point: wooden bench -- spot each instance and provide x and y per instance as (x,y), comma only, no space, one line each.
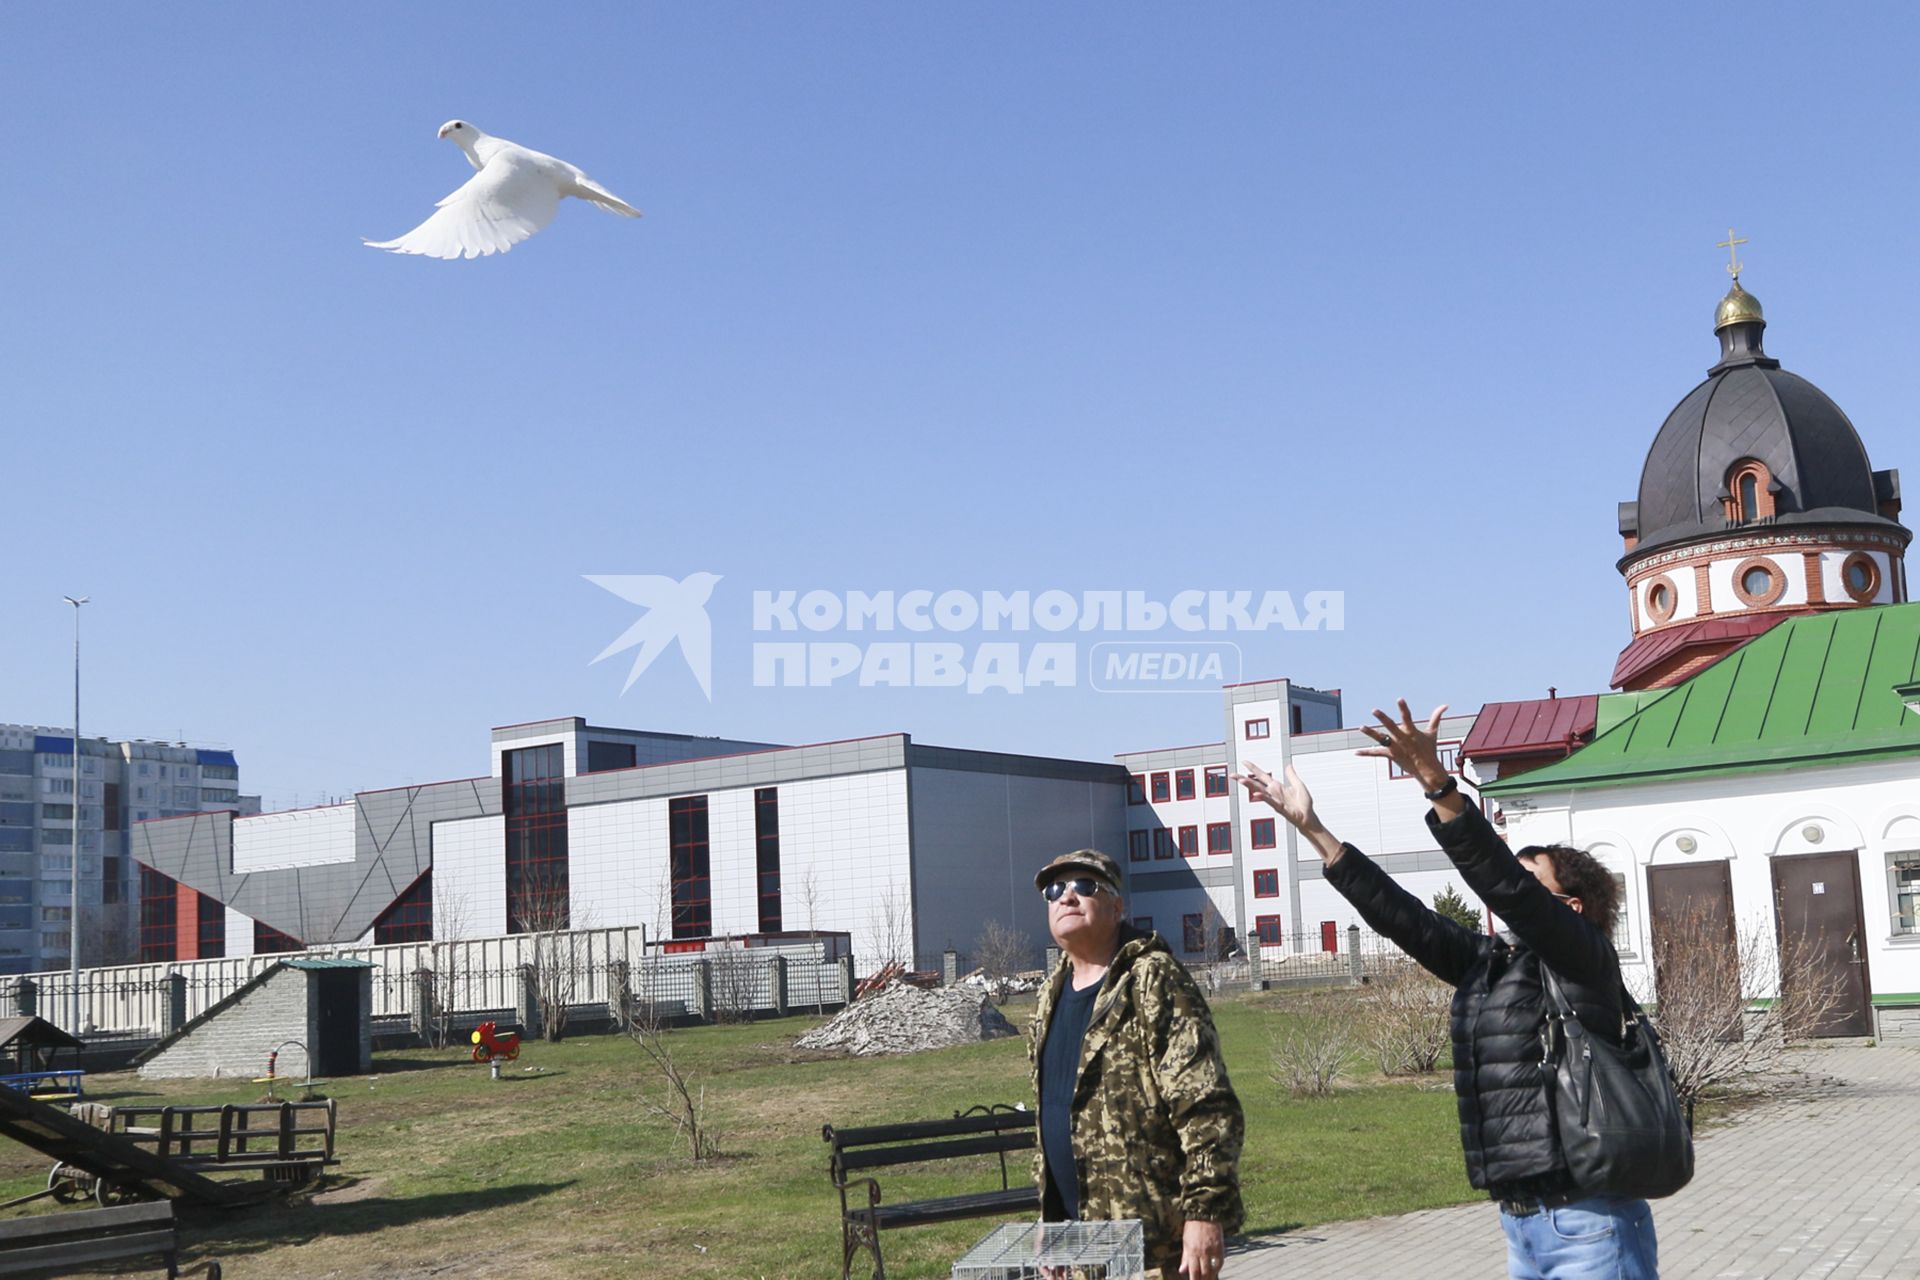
(994,1130)
(59,1244)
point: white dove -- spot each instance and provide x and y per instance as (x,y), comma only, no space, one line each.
(515,194)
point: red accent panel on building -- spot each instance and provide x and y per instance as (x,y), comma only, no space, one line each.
(1524,728)
(1720,634)
(186,922)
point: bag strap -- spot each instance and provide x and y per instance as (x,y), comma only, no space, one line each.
(1630,1011)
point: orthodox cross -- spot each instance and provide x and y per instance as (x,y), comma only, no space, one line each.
(1732,246)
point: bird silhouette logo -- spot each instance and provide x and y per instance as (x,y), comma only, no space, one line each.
(674,611)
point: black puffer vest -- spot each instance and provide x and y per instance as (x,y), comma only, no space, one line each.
(1499,1005)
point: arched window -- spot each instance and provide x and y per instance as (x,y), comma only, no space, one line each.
(1749,496)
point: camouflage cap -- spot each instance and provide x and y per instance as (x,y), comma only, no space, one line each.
(1081,859)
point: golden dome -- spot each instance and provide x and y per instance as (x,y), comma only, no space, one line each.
(1738,307)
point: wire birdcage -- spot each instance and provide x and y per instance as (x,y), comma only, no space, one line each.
(1057,1251)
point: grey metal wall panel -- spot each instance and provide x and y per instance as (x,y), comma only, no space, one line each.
(979,837)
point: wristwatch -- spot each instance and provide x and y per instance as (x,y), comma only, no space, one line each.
(1445,789)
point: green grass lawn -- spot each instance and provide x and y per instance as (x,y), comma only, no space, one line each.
(445,1171)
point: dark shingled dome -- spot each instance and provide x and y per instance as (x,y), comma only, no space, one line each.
(1749,407)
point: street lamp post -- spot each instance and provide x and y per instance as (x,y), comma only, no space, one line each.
(73,902)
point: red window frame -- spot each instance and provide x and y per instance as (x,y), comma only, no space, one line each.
(1183,784)
(1162,844)
(1266,883)
(1260,728)
(1139,845)
(409,917)
(159,916)
(766,839)
(1449,760)
(1219,838)
(1216,784)
(1137,789)
(690,867)
(1190,842)
(1261,830)
(1160,791)
(1270,930)
(268,940)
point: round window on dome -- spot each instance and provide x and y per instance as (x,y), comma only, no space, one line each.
(1758,582)
(1860,575)
(1662,599)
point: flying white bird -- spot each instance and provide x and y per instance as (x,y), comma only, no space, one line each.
(515,194)
(674,611)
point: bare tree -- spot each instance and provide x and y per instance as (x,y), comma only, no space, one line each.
(1001,952)
(452,922)
(810,897)
(1730,1001)
(890,929)
(678,1096)
(107,935)
(545,914)
(733,981)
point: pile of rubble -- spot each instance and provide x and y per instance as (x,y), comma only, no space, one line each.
(905,1019)
(1013,984)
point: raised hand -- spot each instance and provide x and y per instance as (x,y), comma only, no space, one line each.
(1292,801)
(1415,750)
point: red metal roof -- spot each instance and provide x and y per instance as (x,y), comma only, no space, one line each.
(1657,646)
(1540,724)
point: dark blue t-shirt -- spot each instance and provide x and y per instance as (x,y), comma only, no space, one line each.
(1059,1070)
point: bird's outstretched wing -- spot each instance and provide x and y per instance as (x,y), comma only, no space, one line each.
(587,189)
(492,211)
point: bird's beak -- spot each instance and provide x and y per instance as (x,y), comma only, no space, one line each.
(442,133)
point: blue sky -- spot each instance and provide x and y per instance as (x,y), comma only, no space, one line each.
(1385,300)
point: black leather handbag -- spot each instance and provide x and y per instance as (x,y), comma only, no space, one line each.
(1623,1129)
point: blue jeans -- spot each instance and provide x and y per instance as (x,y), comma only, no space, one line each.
(1602,1238)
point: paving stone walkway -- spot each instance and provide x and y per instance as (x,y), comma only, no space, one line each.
(1823,1183)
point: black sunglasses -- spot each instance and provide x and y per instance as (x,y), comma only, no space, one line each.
(1083,886)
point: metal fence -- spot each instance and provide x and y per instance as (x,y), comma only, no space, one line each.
(1320,956)
(586,968)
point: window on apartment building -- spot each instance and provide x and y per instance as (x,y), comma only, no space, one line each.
(1449,760)
(534,801)
(159,917)
(1269,930)
(221,772)
(210,932)
(603,756)
(1262,833)
(766,852)
(1143,923)
(1162,843)
(1258,728)
(1219,837)
(1193,932)
(1266,884)
(1161,794)
(690,867)
(56,835)
(1138,847)
(1137,789)
(48,812)
(1216,779)
(1190,842)
(268,940)
(110,874)
(409,917)
(1183,785)
(145,770)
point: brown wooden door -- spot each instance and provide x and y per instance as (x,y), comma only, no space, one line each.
(1823,942)
(1696,950)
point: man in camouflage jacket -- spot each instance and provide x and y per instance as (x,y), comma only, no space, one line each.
(1155,1127)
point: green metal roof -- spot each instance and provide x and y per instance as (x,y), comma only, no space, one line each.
(1818,689)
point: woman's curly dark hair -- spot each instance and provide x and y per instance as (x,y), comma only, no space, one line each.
(1583,876)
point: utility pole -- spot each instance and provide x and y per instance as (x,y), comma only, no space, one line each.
(73,904)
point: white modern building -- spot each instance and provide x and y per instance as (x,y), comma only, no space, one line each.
(911,849)
(45,824)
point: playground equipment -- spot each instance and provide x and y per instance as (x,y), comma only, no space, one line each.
(108,1166)
(493,1046)
(273,1058)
